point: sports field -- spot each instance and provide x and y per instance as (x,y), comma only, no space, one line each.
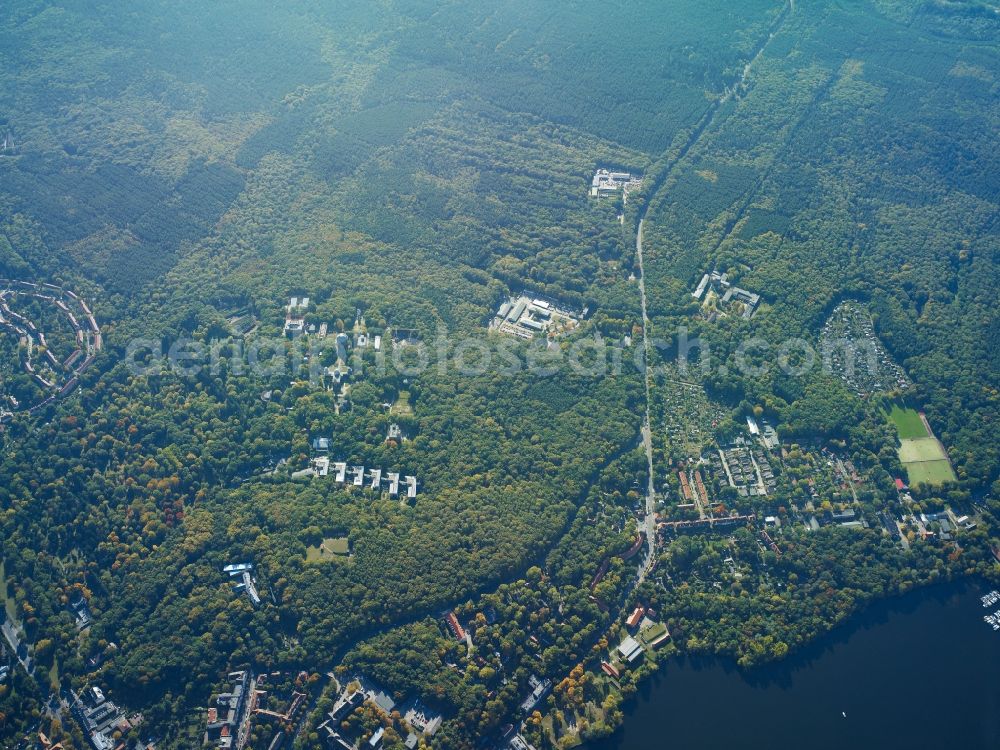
(921,454)
(922,449)
(908,423)
(925,461)
(929,472)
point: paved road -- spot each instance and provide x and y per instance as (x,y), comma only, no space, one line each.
(243,733)
(696,135)
(847,479)
(649,524)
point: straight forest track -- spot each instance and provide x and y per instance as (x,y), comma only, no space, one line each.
(704,123)
(649,522)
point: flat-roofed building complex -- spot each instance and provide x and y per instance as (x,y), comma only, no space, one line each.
(716,291)
(525,317)
(295,323)
(607,183)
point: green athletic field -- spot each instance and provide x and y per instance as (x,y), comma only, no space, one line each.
(921,454)
(908,423)
(924,449)
(925,461)
(929,472)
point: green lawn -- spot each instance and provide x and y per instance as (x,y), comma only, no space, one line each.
(923,449)
(8,603)
(925,461)
(929,472)
(908,423)
(329,548)
(921,454)
(650,634)
(54,675)
(402,405)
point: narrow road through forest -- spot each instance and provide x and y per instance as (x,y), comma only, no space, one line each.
(649,522)
(707,119)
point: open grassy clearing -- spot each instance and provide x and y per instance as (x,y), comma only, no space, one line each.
(402,406)
(930,472)
(907,422)
(921,454)
(8,602)
(923,449)
(328,548)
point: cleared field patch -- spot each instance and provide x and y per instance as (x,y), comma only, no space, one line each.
(908,423)
(8,601)
(329,549)
(921,449)
(402,407)
(921,454)
(930,472)
(925,461)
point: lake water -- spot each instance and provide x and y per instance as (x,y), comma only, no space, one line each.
(920,671)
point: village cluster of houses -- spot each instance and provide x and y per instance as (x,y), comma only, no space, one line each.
(295,326)
(228,714)
(229,721)
(707,524)
(767,435)
(692,488)
(746,469)
(741,466)
(422,720)
(606,183)
(853,351)
(630,650)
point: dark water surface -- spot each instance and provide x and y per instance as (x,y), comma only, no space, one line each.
(920,671)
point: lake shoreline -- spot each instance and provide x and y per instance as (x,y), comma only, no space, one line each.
(901,634)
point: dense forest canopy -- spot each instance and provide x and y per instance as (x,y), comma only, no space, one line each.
(411,166)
